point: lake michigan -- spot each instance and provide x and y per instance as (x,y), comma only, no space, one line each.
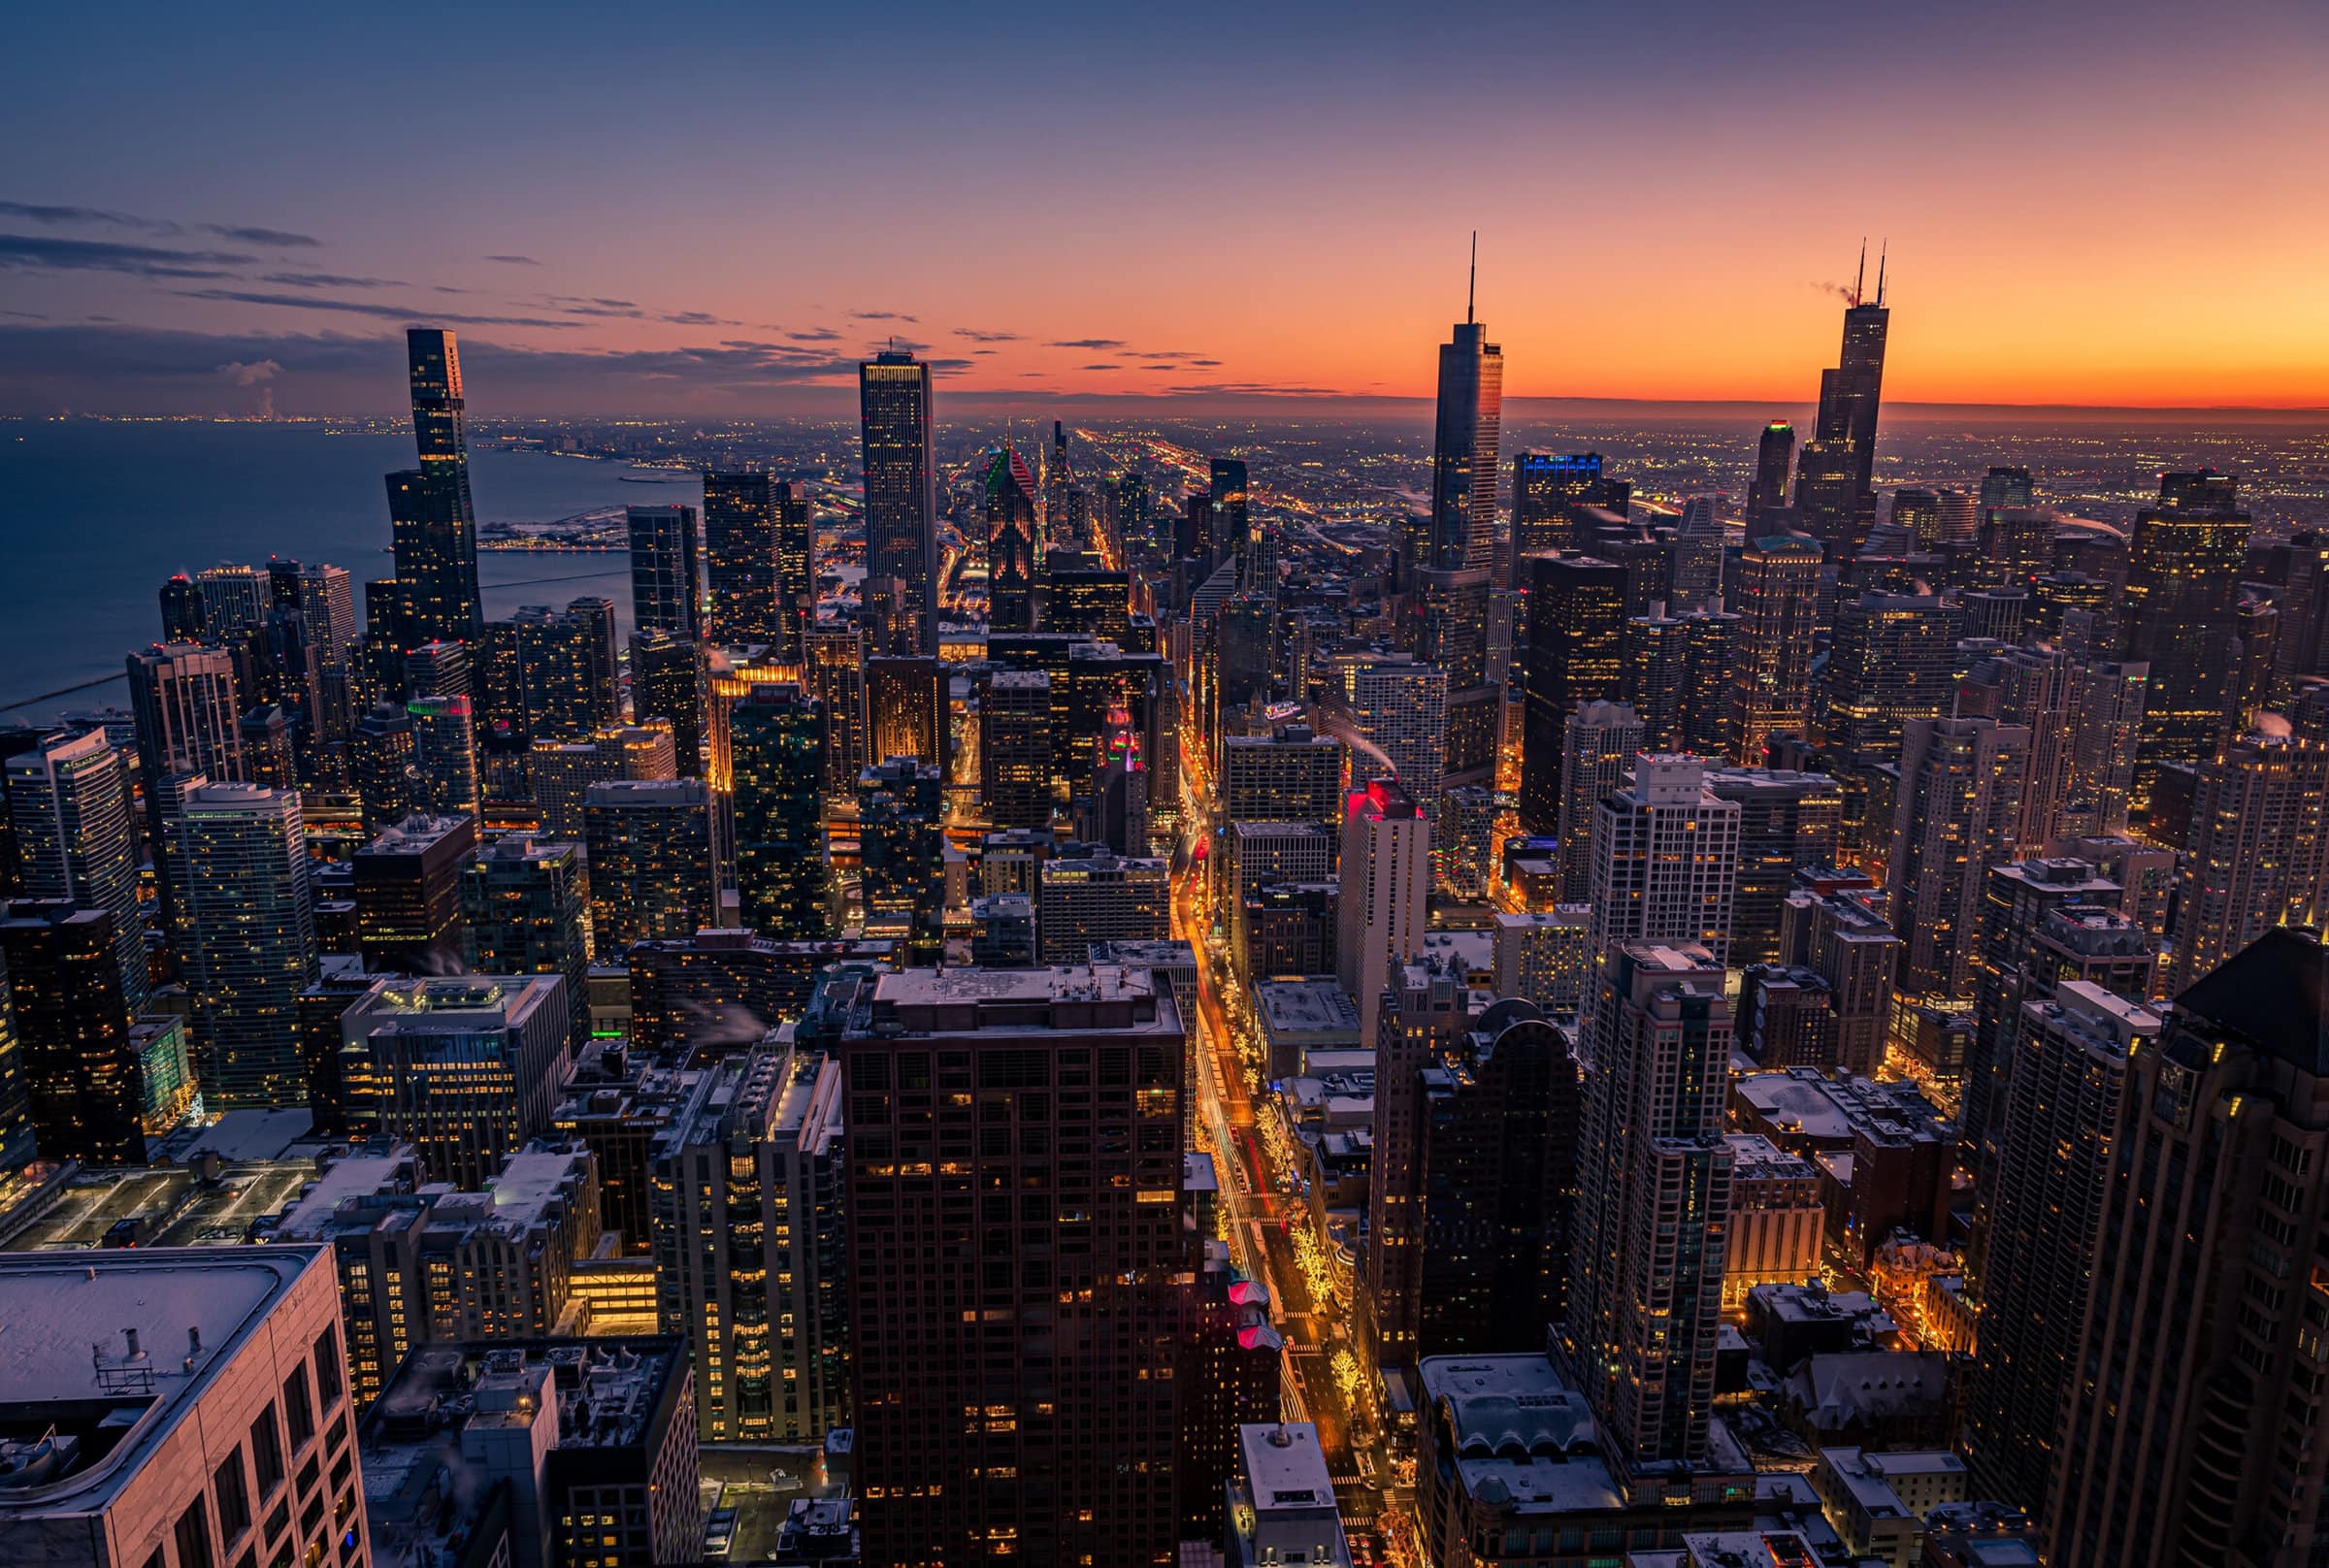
(96,515)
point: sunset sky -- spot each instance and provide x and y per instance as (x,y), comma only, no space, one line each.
(685,208)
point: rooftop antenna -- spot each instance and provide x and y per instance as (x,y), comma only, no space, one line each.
(1471,288)
(1882,247)
(1861,277)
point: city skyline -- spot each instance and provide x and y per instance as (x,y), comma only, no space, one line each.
(716,261)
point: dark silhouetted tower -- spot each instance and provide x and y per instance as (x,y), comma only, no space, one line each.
(1464,448)
(902,541)
(435,526)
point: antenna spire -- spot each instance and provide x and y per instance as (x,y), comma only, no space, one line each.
(1861,277)
(1880,249)
(1471,288)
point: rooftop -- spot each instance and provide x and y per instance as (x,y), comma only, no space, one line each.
(169,1320)
(1523,1437)
(1284,1466)
(1306,1007)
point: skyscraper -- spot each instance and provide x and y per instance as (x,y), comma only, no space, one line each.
(1598,747)
(188,714)
(75,1070)
(2258,849)
(669,689)
(407,885)
(1014,748)
(1400,706)
(901,512)
(665,546)
(2193,1432)
(435,524)
(1466,437)
(1836,490)
(1774,459)
(902,855)
(251,946)
(69,802)
(1653,1198)
(758,543)
(444,754)
(1386,864)
(1010,513)
(1778,603)
(1576,631)
(1789,821)
(1959,798)
(2068,1072)
(2185,561)
(1665,859)
(1040,1297)
(1229,528)
(652,869)
(525,909)
(1893,659)
(776,738)
(1547,488)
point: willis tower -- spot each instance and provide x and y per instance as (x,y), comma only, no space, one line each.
(1452,583)
(434,526)
(1835,486)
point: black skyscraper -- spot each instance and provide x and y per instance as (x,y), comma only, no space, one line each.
(1836,488)
(1226,532)
(1774,456)
(1576,622)
(1010,543)
(1463,450)
(902,549)
(435,528)
(758,544)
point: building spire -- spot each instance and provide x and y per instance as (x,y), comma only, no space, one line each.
(1861,277)
(1472,285)
(1882,247)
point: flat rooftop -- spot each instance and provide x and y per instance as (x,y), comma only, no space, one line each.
(1523,1436)
(1284,1466)
(64,1342)
(1306,1007)
(179,1208)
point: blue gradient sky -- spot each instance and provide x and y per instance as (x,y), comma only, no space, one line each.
(722,206)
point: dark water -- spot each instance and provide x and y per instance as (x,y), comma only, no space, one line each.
(93,516)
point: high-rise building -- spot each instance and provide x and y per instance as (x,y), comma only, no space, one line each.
(525,909)
(1788,821)
(1014,748)
(1840,934)
(1386,875)
(72,1079)
(2069,1072)
(716,992)
(1228,530)
(907,709)
(1835,489)
(1465,841)
(188,715)
(550,675)
(2258,850)
(2191,1430)
(435,524)
(665,569)
(1466,437)
(1083,899)
(1400,706)
(250,946)
(466,1069)
(902,855)
(444,755)
(1010,517)
(652,868)
(1774,461)
(2185,561)
(1598,747)
(140,1454)
(1547,488)
(1575,631)
(1054,1319)
(68,799)
(1778,603)
(901,512)
(379,764)
(670,689)
(1893,659)
(748,1244)
(1961,796)
(407,889)
(1546,957)
(758,547)
(776,738)
(1289,776)
(1665,859)
(182,618)
(561,773)
(1645,1292)
(833,670)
